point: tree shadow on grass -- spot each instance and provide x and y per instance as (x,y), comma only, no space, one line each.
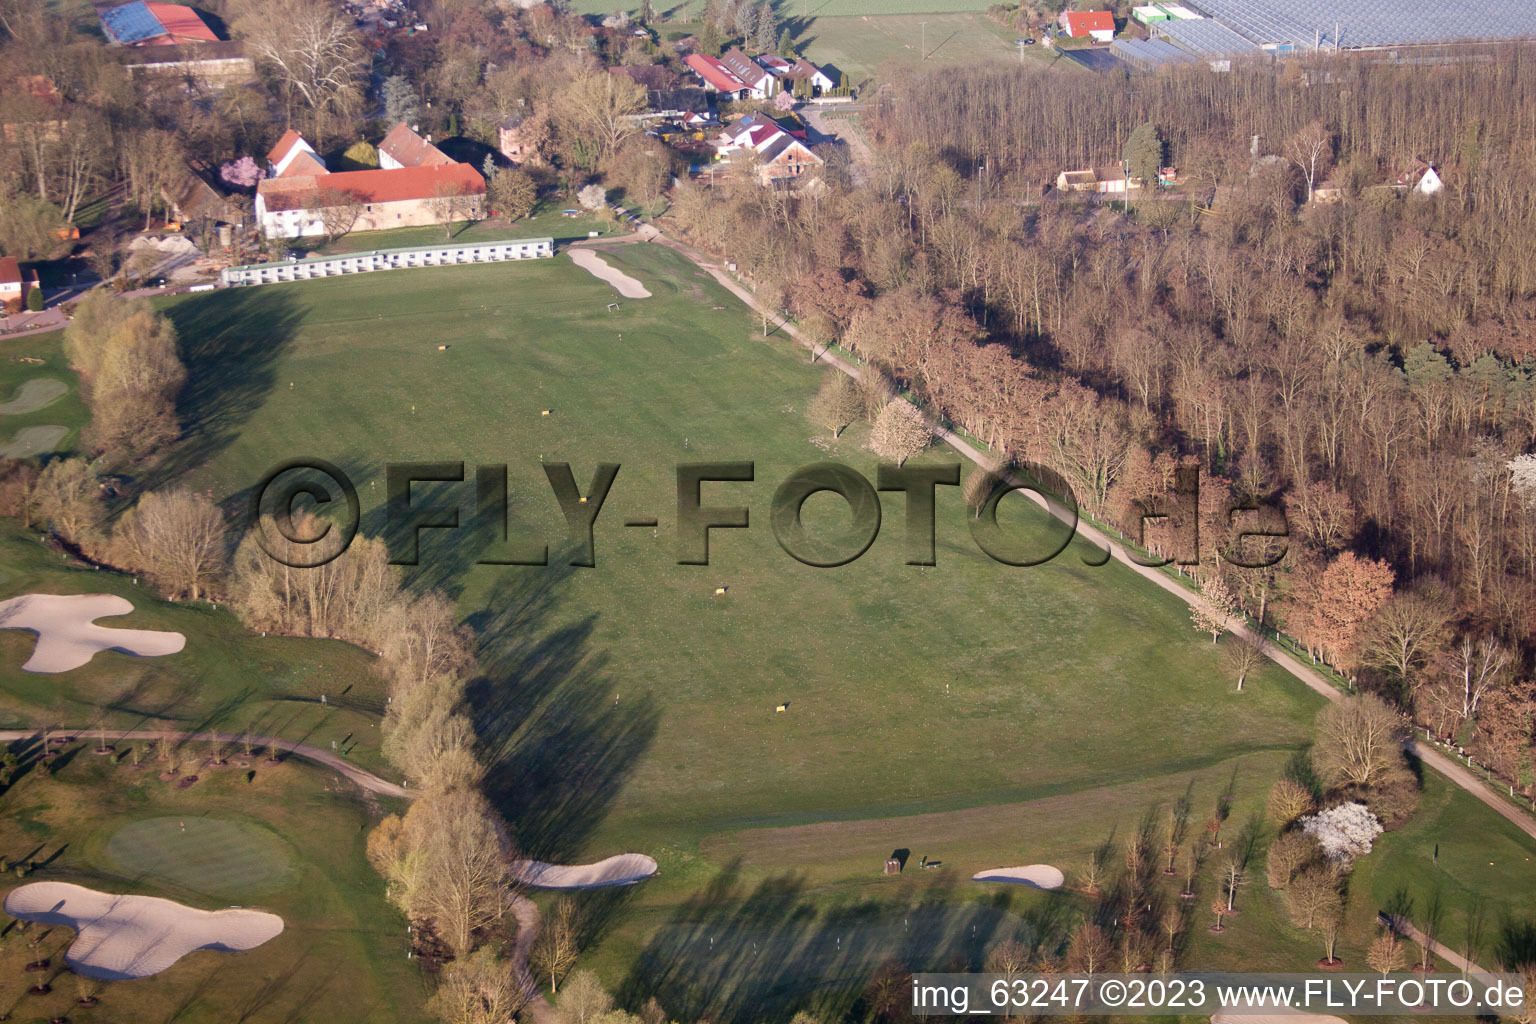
(230,342)
(737,952)
(558,741)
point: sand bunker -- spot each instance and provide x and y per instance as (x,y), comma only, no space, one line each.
(33,395)
(599,268)
(135,936)
(29,441)
(623,869)
(67,636)
(1041,876)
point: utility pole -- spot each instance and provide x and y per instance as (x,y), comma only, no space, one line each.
(923,47)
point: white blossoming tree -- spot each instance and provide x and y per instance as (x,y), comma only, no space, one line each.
(1522,471)
(593,197)
(1345,831)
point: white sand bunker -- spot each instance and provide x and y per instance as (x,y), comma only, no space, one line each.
(600,268)
(1041,876)
(30,441)
(623,869)
(33,395)
(136,936)
(67,636)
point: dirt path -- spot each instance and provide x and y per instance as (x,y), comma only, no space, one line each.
(1403,926)
(1457,774)
(538,1008)
(362,779)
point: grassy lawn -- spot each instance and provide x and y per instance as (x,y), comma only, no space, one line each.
(981,715)
(226,679)
(291,831)
(629,707)
(858,43)
(547,221)
(38,358)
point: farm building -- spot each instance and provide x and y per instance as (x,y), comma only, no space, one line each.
(1098,24)
(154,24)
(303,197)
(1148,13)
(1150,54)
(1209,40)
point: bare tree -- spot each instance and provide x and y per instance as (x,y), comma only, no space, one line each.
(450,204)
(1386,953)
(900,432)
(1405,633)
(176,539)
(1243,655)
(600,111)
(69,500)
(478,989)
(1311,150)
(312,51)
(1478,666)
(554,952)
(336,208)
(1359,741)
(836,404)
(584,1000)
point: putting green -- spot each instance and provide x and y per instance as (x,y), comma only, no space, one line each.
(216,856)
(33,395)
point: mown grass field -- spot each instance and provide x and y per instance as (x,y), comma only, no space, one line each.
(979,715)
(341,954)
(226,679)
(38,358)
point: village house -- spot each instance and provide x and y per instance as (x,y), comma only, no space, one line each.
(211,65)
(14,284)
(1109,181)
(1098,24)
(716,76)
(1420,178)
(303,197)
(511,143)
(402,147)
(774,155)
(759,82)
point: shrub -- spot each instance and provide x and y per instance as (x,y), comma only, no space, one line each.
(35,299)
(1288,800)
(1345,831)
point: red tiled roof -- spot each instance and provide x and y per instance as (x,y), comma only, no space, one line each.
(10,270)
(1080,23)
(411,149)
(182,24)
(284,144)
(381,186)
(715,73)
(303,165)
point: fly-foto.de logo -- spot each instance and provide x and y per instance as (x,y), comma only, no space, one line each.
(1255,534)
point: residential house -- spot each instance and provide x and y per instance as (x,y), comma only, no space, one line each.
(759,81)
(14,284)
(1420,178)
(817,81)
(303,197)
(774,154)
(190,199)
(511,143)
(142,23)
(404,148)
(1108,181)
(1098,24)
(716,76)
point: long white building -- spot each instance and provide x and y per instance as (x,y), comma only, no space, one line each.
(343,264)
